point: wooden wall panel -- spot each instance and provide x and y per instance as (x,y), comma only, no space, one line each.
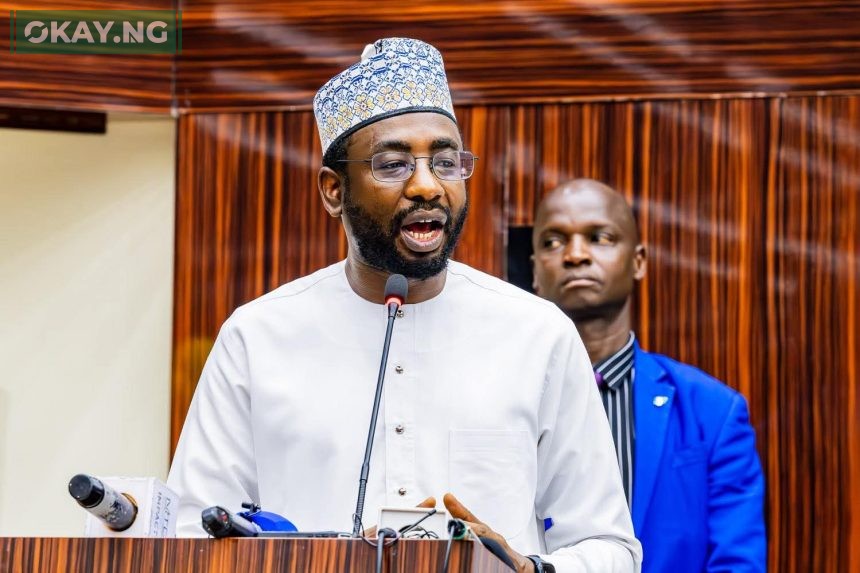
(485,129)
(275,54)
(750,209)
(106,82)
(813,207)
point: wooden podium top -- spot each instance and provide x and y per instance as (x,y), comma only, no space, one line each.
(118,555)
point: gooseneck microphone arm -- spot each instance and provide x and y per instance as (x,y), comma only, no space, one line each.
(396,288)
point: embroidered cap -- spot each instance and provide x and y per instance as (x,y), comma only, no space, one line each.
(394,76)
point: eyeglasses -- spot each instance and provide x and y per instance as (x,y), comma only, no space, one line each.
(390,166)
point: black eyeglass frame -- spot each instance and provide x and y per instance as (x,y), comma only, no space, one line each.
(414,165)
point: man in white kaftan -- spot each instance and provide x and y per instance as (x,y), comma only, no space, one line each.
(489,392)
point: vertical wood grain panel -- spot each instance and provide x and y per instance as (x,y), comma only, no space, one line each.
(485,132)
(103,555)
(812,219)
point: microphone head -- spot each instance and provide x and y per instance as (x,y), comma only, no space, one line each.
(87,490)
(396,288)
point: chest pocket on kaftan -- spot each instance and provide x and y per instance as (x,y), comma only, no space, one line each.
(493,473)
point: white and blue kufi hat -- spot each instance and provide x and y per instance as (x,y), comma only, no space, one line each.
(394,76)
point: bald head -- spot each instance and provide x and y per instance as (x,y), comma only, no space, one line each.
(570,194)
(587,254)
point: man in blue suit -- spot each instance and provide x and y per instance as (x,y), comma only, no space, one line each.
(685,446)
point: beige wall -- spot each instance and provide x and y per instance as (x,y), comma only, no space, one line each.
(86,270)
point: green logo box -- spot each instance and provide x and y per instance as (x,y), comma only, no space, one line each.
(95,32)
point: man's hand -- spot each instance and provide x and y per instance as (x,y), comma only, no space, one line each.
(481,529)
(428,503)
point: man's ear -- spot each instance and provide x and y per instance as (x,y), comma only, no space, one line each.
(640,262)
(331,186)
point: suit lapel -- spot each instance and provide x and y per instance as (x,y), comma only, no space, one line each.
(652,402)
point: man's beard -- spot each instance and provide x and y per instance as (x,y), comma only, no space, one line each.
(378,248)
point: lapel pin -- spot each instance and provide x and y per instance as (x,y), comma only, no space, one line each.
(660,400)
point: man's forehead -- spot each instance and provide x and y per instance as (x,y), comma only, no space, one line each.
(563,217)
(583,207)
(409,130)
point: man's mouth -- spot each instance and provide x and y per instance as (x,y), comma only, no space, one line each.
(423,236)
(577,282)
(423,231)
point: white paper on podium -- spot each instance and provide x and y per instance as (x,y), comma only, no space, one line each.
(399,517)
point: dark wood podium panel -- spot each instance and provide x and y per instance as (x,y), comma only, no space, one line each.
(117,555)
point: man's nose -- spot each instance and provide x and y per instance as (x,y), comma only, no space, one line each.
(423,185)
(576,252)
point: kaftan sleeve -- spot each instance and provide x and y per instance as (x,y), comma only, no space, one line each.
(579,489)
(214,460)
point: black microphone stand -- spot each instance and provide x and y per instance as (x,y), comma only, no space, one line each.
(365,466)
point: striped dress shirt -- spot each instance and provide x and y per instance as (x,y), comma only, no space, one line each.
(615,380)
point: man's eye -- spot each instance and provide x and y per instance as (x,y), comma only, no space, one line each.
(603,239)
(551,243)
(393,165)
(446,163)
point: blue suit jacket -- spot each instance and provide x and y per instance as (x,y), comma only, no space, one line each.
(698,489)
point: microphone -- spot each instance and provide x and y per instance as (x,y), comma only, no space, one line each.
(218,522)
(117,510)
(457,529)
(125,506)
(396,288)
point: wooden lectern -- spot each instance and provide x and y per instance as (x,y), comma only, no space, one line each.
(118,555)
